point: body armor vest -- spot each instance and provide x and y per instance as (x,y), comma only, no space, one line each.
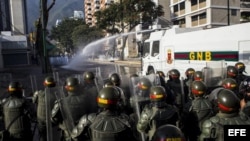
(226,119)
(110,127)
(14,114)
(41,107)
(202,109)
(161,116)
(77,104)
(246,109)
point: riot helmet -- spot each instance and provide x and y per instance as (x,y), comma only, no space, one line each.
(49,82)
(108,97)
(168,132)
(161,74)
(232,71)
(198,75)
(189,73)
(115,78)
(72,84)
(198,88)
(174,74)
(229,83)
(15,88)
(227,101)
(108,84)
(144,84)
(241,67)
(88,76)
(157,94)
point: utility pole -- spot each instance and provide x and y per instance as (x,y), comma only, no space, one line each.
(45,53)
(228,12)
(41,35)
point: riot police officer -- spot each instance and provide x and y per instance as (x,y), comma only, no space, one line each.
(179,89)
(17,114)
(168,132)
(142,91)
(232,72)
(91,90)
(171,97)
(157,113)
(117,125)
(189,79)
(245,101)
(115,78)
(196,111)
(241,70)
(189,76)
(229,106)
(227,83)
(68,110)
(40,98)
(198,75)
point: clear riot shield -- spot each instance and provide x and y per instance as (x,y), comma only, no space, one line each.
(154,79)
(64,109)
(213,74)
(124,85)
(135,104)
(49,101)
(98,79)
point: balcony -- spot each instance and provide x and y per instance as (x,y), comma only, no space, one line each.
(88,1)
(245,5)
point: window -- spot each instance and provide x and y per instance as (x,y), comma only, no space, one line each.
(193,2)
(233,12)
(194,18)
(155,48)
(146,49)
(182,6)
(201,1)
(175,8)
(203,16)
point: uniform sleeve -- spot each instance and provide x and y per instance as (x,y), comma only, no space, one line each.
(143,122)
(206,130)
(56,117)
(35,96)
(81,128)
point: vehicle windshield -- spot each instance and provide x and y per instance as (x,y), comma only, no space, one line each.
(146,49)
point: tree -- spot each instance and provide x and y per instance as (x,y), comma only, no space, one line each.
(83,35)
(72,33)
(63,32)
(127,15)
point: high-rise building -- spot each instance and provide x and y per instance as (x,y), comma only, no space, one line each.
(5,23)
(14,49)
(18,14)
(91,6)
(209,13)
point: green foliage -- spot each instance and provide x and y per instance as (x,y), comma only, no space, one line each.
(70,33)
(83,35)
(127,15)
(130,13)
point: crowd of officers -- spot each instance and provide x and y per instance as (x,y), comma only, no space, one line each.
(145,109)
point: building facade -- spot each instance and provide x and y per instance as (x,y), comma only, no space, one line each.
(208,13)
(13,38)
(91,6)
